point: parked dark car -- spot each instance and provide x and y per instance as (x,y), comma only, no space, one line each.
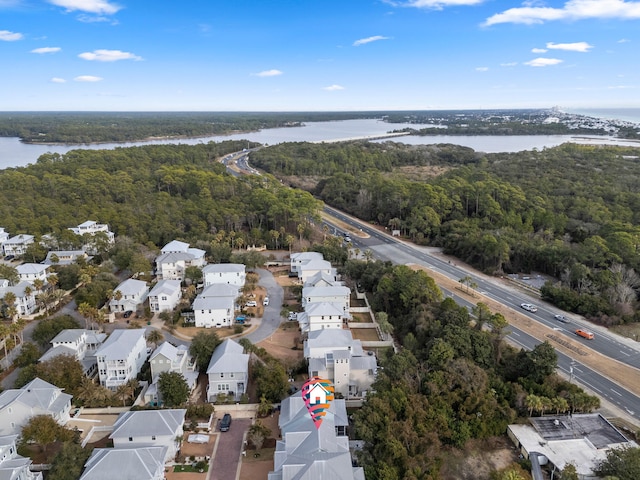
(128,313)
(225,423)
(8,258)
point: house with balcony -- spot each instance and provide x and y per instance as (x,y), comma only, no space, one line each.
(4,236)
(301,258)
(322,279)
(29,272)
(318,316)
(229,273)
(140,463)
(79,343)
(129,295)
(12,465)
(165,296)
(215,306)
(121,357)
(96,236)
(334,354)
(309,452)
(228,371)
(169,358)
(336,295)
(25,294)
(17,245)
(18,406)
(149,428)
(175,257)
(309,269)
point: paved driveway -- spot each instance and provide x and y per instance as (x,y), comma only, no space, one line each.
(271,318)
(227,457)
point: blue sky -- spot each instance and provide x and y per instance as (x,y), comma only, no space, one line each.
(300,55)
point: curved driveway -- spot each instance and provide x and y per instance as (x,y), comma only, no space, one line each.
(271,318)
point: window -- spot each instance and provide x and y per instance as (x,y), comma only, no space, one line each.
(231,375)
(131,439)
(153,437)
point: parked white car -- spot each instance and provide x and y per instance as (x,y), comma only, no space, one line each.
(529,307)
(251,303)
(265,302)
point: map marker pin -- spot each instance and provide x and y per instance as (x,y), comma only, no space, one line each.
(317,394)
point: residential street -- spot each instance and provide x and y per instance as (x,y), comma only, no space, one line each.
(271,318)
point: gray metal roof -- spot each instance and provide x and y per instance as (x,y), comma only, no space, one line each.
(124,463)
(168,287)
(37,394)
(229,357)
(120,343)
(224,268)
(175,246)
(148,422)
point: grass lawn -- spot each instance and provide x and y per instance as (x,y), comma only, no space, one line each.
(189,468)
(630,330)
(259,455)
(365,334)
(361,317)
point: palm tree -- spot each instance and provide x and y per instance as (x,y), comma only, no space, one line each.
(4,333)
(368,255)
(127,390)
(155,336)
(38,284)
(10,301)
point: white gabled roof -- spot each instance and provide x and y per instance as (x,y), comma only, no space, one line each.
(322,308)
(315,265)
(88,223)
(173,257)
(228,357)
(168,287)
(31,269)
(219,290)
(321,277)
(142,463)
(120,343)
(145,423)
(302,256)
(224,268)
(39,395)
(167,350)
(331,291)
(131,286)
(69,335)
(213,303)
(175,246)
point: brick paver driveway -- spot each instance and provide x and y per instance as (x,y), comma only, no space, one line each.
(225,463)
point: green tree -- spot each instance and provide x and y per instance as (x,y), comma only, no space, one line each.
(47,329)
(127,390)
(202,347)
(569,472)
(173,388)
(69,462)
(29,355)
(622,463)
(44,430)
(258,433)
(155,336)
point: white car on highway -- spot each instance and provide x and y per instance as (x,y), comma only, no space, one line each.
(529,307)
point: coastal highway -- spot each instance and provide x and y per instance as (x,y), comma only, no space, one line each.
(385,247)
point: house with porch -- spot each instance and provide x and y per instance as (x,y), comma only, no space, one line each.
(229,273)
(165,296)
(29,272)
(322,279)
(313,267)
(17,245)
(336,295)
(150,428)
(79,343)
(300,258)
(215,306)
(169,358)
(228,371)
(65,257)
(121,357)
(96,236)
(12,465)
(25,294)
(129,295)
(175,257)
(318,316)
(18,406)
(4,236)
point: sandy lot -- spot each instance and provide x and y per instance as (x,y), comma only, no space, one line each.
(258,468)
(281,343)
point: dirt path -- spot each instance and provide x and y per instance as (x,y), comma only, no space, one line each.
(616,371)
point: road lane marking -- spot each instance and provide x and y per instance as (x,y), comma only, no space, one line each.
(617,393)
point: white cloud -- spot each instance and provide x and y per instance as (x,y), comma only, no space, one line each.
(538,50)
(333,88)
(482,69)
(624,40)
(364,41)
(87,78)
(509,64)
(433,4)
(84,18)
(543,62)
(268,73)
(572,10)
(572,47)
(108,56)
(58,80)
(100,7)
(46,50)
(8,36)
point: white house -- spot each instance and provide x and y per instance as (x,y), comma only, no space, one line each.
(301,258)
(313,267)
(133,293)
(139,463)
(309,452)
(165,295)
(4,236)
(17,245)
(37,397)
(322,279)
(318,316)
(121,357)
(149,428)
(174,259)
(337,295)
(29,272)
(12,465)
(215,306)
(334,354)
(91,232)
(79,343)
(25,297)
(64,257)
(228,371)
(168,358)
(229,273)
